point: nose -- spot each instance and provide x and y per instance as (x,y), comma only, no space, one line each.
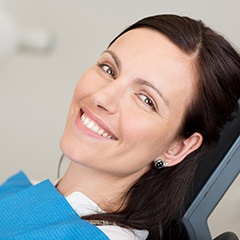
(108,97)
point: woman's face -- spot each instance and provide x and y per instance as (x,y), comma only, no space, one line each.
(127,108)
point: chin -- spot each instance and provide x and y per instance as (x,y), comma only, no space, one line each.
(71,148)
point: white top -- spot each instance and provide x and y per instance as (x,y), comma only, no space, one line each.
(85,206)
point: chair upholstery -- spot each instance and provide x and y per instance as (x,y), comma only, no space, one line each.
(214,176)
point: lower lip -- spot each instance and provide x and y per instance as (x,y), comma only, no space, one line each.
(84,129)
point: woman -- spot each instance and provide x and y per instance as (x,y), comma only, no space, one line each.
(155,101)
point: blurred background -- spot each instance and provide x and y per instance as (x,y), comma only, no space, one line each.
(44,48)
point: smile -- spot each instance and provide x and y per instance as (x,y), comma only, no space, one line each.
(93,126)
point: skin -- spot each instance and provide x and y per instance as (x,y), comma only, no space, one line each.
(138,92)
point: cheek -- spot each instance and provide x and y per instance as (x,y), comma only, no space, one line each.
(148,135)
(145,133)
(84,87)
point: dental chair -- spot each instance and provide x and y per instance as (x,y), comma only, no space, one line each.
(213,177)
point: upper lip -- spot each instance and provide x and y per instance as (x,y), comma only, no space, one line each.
(98,121)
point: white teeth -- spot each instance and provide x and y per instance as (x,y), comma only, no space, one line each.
(94,127)
(90,124)
(101,131)
(85,121)
(104,134)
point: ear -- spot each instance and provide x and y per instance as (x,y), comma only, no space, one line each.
(180,148)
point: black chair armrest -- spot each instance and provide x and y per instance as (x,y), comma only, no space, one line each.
(227,236)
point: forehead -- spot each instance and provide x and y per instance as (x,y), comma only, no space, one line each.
(148,40)
(146,53)
(147,46)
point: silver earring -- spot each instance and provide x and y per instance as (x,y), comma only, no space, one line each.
(159,164)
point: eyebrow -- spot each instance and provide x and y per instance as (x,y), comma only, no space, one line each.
(115,58)
(148,84)
(139,80)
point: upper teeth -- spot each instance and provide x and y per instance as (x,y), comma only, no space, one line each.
(94,127)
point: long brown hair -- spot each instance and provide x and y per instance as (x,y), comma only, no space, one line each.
(156,200)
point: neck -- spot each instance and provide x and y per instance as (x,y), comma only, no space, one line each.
(107,191)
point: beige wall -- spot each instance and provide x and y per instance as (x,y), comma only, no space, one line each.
(36,88)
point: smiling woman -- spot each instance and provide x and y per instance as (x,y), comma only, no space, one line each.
(133,109)
(139,119)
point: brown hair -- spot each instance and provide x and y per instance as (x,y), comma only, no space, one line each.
(156,200)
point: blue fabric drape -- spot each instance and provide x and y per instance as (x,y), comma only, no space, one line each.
(40,212)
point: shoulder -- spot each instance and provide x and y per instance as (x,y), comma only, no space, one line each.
(119,233)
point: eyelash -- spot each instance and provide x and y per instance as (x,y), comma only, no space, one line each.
(149,102)
(109,70)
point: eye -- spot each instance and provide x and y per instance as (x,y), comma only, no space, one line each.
(147,101)
(106,68)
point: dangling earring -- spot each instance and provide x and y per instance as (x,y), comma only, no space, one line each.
(159,164)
